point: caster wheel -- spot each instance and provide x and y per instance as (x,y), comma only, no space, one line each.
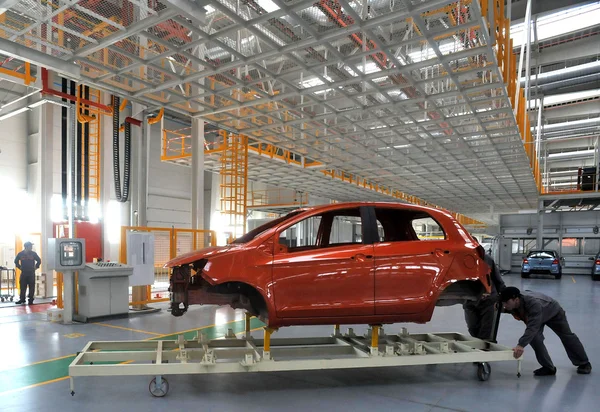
(2,299)
(11,299)
(484,371)
(156,391)
(72,393)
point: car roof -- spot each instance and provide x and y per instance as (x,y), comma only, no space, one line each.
(396,205)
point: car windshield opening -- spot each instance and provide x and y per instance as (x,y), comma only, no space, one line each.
(262,228)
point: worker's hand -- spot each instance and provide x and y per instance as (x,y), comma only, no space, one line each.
(518,351)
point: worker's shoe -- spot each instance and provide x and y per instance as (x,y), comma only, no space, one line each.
(585,369)
(30,302)
(20,302)
(544,371)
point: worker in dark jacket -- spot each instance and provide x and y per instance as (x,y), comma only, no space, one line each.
(27,261)
(479,314)
(537,310)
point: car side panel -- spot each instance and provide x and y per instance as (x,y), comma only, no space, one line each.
(406,272)
(252,266)
(334,281)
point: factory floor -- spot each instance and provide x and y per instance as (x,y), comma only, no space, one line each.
(35,354)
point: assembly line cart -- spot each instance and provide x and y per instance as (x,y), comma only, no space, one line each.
(234,354)
(7,282)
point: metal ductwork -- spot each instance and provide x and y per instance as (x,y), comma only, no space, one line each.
(584,73)
(564,74)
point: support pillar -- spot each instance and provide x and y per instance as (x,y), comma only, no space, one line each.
(46,153)
(139,192)
(143,171)
(197,173)
(540,226)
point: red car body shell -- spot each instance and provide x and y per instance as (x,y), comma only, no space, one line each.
(384,282)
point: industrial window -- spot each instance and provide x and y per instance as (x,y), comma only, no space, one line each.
(570,246)
(396,225)
(591,246)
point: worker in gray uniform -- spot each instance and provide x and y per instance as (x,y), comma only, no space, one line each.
(537,310)
(479,314)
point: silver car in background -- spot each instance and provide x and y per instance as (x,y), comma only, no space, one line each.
(596,267)
(542,262)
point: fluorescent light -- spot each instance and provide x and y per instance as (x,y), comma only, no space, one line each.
(571,154)
(209,9)
(37,104)
(402,146)
(14,113)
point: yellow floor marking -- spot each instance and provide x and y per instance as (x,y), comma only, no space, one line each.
(125,328)
(42,361)
(573,279)
(200,328)
(67,356)
(74,335)
(35,385)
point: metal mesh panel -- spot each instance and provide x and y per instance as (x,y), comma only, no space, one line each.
(172,32)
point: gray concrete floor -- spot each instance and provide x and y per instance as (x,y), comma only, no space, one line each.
(28,338)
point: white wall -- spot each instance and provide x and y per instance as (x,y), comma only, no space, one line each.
(169,186)
(577,228)
(13,150)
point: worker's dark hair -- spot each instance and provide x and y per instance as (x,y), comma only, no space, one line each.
(508,293)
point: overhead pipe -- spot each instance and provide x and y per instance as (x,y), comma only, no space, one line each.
(46,89)
(158,118)
(544,89)
(567,73)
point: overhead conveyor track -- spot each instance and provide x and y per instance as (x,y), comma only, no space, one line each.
(247,354)
(410,95)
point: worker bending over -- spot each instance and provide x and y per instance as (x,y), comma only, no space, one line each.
(537,310)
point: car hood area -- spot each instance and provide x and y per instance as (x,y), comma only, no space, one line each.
(204,253)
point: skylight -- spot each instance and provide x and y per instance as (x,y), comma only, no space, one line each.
(268,5)
(557,24)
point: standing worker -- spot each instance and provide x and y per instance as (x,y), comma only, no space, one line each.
(27,261)
(479,315)
(537,310)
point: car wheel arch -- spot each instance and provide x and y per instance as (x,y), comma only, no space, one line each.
(259,302)
(458,292)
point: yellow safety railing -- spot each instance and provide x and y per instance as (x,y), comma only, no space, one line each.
(234,181)
(168,244)
(507,62)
